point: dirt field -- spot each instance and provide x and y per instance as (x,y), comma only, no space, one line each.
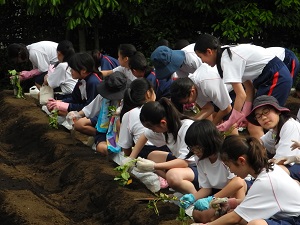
(46,177)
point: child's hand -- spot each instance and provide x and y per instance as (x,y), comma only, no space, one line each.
(295,145)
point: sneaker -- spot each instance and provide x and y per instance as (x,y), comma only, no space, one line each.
(163,183)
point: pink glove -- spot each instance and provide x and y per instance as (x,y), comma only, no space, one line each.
(25,75)
(50,104)
(246,111)
(59,105)
(51,69)
(235,117)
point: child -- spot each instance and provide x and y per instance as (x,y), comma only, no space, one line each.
(41,54)
(206,88)
(215,179)
(82,68)
(140,68)
(60,78)
(125,51)
(166,126)
(289,58)
(131,129)
(282,129)
(104,62)
(240,66)
(167,61)
(274,198)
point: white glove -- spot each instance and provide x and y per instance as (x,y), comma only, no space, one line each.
(145,165)
(73,116)
(288,160)
(295,145)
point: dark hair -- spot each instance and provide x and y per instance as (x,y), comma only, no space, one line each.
(153,112)
(206,41)
(82,61)
(139,62)
(162,42)
(16,50)
(66,48)
(96,56)
(134,96)
(180,44)
(127,50)
(204,134)
(180,89)
(235,146)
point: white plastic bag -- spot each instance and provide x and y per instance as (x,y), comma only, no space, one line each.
(46,92)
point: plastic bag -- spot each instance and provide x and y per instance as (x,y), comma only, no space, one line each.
(46,92)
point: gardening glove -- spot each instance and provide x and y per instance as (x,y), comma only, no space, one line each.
(288,160)
(73,116)
(126,160)
(295,145)
(25,75)
(187,200)
(246,111)
(234,118)
(203,203)
(145,165)
(59,105)
(223,205)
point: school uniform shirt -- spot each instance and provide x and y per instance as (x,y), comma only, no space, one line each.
(61,77)
(42,54)
(126,71)
(190,63)
(278,51)
(213,175)
(179,148)
(289,131)
(272,195)
(210,87)
(93,108)
(83,93)
(131,128)
(107,63)
(247,63)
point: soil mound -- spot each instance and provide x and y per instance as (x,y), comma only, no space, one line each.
(46,177)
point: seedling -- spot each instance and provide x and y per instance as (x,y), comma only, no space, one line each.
(111,110)
(228,132)
(182,216)
(53,119)
(124,177)
(15,81)
(152,204)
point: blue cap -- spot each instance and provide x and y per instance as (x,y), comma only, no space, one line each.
(166,61)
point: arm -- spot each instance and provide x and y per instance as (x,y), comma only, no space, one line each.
(231,218)
(221,114)
(138,146)
(202,193)
(176,163)
(240,96)
(205,111)
(106,72)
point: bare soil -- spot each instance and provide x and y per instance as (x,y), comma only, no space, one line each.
(46,177)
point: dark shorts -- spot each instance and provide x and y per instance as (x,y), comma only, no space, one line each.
(286,221)
(149,148)
(292,63)
(100,137)
(232,96)
(249,184)
(194,168)
(39,79)
(294,171)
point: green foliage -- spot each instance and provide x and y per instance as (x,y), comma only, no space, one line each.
(15,81)
(161,197)
(124,176)
(182,216)
(53,122)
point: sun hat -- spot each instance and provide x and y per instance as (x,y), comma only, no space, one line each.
(166,61)
(114,86)
(262,101)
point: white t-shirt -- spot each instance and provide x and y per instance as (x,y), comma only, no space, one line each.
(289,131)
(61,77)
(178,148)
(131,128)
(42,54)
(93,108)
(210,87)
(272,195)
(190,63)
(126,71)
(213,175)
(278,51)
(247,63)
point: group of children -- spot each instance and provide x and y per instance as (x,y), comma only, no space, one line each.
(130,107)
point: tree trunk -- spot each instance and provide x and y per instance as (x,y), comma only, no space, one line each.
(82,40)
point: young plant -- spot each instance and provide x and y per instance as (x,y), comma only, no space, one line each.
(53,119)
(182,216)
(111,110)
(15,81)
(152,204)
(124,176)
